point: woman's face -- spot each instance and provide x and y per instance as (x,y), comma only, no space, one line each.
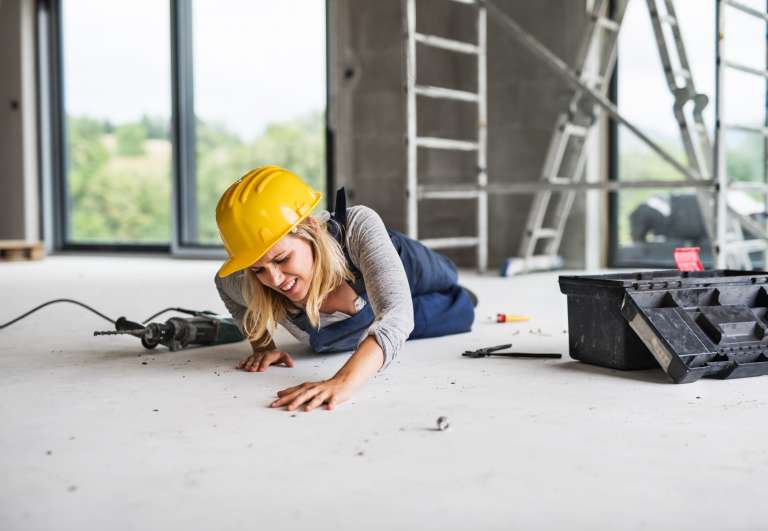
(287,268)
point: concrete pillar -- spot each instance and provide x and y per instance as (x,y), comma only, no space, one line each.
(19,210)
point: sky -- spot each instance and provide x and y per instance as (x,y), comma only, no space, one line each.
(256,61)
(644,97)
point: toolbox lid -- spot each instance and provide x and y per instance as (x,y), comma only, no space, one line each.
(714,327)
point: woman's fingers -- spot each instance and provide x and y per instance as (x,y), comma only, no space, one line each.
(275,357)
(266,360)
(286,395)
(288,391)
(261,360)
(319,399)
(310,394)
(250,361)
(285,399)
(302,398)
(297,397)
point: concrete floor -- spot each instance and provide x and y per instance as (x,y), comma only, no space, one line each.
(91,437)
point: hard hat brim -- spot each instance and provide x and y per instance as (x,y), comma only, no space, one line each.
(231,266)
(234,264)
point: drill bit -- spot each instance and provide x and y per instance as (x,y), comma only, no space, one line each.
(118,332)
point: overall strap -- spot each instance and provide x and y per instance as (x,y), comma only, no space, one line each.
(340,208)
(338,230)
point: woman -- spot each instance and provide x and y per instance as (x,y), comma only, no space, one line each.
(339,283)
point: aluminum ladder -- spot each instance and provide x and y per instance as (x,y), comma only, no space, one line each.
(693,130)
(694,135)
(416,193)
(566,155)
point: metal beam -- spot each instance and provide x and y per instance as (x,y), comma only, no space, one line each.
(531,187)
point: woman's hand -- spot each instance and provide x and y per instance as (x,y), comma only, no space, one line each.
(313,394)
(259,361)
(359,367)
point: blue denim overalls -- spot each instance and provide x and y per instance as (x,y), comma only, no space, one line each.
(440,306)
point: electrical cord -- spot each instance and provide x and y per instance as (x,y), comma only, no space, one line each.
(33,310)
(182,310)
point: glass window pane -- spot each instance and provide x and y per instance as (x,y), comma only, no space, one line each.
(259,92)
(651,223)
(116,80)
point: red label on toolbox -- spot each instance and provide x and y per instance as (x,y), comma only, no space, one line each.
(687,259)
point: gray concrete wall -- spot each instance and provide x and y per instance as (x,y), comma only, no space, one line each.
(524,98)
(18,167)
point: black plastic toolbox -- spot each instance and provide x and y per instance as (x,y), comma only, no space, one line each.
(692,324)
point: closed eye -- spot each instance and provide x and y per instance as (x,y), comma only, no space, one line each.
(280,260)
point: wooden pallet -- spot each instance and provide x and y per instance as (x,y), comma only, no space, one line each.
(13,250)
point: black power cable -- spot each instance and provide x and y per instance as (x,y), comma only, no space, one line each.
(182,310)
(22,316)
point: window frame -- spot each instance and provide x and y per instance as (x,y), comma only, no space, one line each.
(52,140)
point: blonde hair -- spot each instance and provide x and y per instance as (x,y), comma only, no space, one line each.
(329,270)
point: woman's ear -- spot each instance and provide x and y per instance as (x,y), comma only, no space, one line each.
(314,223)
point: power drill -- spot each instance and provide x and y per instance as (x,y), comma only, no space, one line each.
(202,329)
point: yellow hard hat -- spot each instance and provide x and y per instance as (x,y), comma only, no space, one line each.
(259,209)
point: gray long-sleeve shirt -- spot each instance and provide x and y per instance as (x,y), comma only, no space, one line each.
(372,252)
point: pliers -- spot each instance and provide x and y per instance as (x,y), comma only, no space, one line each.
(491,351)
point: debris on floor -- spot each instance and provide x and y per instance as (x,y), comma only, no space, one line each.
(443,424)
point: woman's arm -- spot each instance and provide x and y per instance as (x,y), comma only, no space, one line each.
(386,283)
(259,346)
(367,359)
(371,250)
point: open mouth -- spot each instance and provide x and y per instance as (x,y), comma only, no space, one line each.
(288,286)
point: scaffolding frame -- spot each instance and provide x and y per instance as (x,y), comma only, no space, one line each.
(415,192)
(724,182)
(724,224)
(706,170)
